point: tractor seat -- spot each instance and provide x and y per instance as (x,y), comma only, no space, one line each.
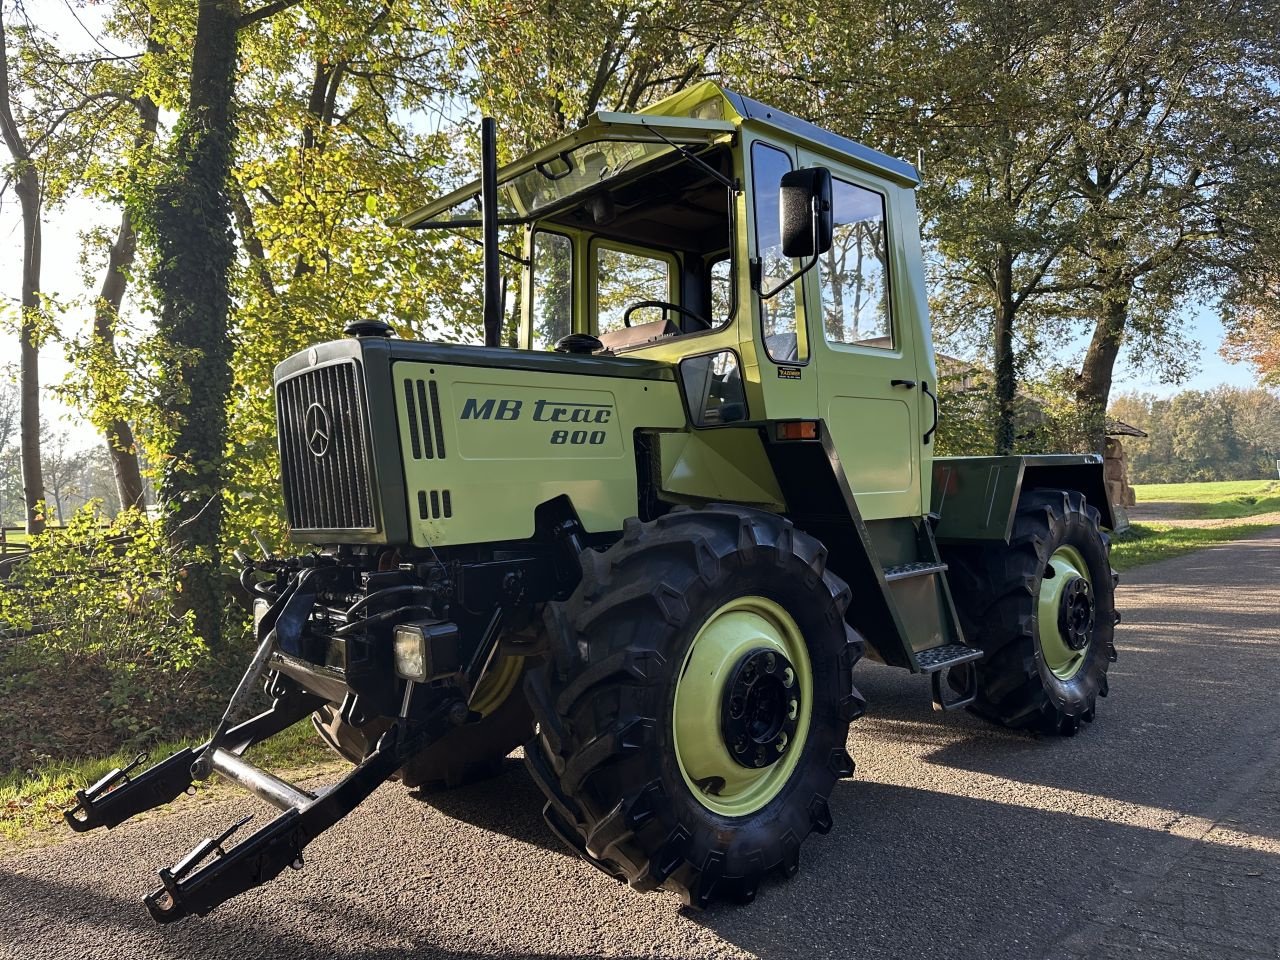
(637,335)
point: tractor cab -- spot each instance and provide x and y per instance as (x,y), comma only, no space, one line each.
(775,263)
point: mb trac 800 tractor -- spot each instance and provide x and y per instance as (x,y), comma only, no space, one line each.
(649,540)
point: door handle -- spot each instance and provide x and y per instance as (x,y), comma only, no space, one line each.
(909,384)
(928,434)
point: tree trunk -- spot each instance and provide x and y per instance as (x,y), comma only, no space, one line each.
(27,187)
(119,433)
(191,218)
(1093,386)
(1006,377)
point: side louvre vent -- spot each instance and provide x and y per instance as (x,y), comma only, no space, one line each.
(435,504)
(325,450)
(426,429)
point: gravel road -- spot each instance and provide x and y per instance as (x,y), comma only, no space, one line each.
(1154,833)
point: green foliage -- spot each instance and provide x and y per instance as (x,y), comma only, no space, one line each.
(966,413)
(98,590)
(1196,435)
(1048,416)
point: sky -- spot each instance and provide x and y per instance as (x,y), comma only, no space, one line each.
(62,276)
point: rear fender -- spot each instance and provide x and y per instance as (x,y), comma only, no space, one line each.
(976,497)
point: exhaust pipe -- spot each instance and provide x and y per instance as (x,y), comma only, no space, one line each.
(493,306)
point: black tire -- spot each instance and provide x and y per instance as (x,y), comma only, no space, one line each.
(464,755)
(604,753)
(995,588)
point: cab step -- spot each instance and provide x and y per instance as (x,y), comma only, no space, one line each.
(906,571)
(942,658)
(937,661)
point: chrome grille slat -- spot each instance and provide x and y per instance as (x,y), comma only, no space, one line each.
(333,491)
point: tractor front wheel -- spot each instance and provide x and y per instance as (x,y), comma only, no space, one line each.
(693,715)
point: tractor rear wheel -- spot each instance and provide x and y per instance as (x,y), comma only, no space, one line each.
(464,755)
(694,712)
(1043,610)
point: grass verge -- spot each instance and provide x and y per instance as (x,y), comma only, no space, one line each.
(32,801)
(1226,499)
(1146,543)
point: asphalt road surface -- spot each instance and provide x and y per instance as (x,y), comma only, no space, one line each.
(1155,833)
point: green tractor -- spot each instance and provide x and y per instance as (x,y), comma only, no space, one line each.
(649,539)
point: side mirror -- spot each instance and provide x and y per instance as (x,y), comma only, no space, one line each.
(805,212)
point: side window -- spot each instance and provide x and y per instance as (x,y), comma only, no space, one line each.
(623,279)
(552,289)
(778,313)
(855,271)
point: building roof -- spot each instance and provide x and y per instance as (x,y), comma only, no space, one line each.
(1118,428)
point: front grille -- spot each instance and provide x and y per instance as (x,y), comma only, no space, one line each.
(325,450)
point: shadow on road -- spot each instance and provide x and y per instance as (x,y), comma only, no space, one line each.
(906,873)
(914,873)
(103,919)
(509,804)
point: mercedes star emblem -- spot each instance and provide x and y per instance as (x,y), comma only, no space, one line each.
(318,429)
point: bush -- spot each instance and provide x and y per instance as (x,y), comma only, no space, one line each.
(98,591)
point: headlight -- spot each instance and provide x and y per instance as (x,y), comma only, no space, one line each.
(410,649)
(425,650)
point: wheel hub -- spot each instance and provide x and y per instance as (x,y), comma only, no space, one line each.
(760,708)
(1076,613)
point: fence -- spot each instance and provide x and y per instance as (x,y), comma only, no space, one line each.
(13,541)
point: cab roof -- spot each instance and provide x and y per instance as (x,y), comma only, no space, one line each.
(699,116)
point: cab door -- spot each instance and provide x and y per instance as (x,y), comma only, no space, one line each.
(869,389)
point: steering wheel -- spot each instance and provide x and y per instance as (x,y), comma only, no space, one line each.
(626,317)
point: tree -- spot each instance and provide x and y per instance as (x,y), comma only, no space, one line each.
(976,87)
(10,462)
(64,474)
(77,111)
(999,211)
(109,415)
(334,139)
(1178,120)
(188,222)
(1221,434)
(1254,336)
(27,186)
(543,67)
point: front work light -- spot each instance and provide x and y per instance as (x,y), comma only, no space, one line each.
(425,649)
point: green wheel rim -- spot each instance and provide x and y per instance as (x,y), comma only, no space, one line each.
(720,783)
(497,685)
(1067,564)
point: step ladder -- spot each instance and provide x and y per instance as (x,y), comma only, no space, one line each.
(922,601)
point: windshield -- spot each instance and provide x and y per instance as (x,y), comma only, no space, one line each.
(609,147)
(528,194)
